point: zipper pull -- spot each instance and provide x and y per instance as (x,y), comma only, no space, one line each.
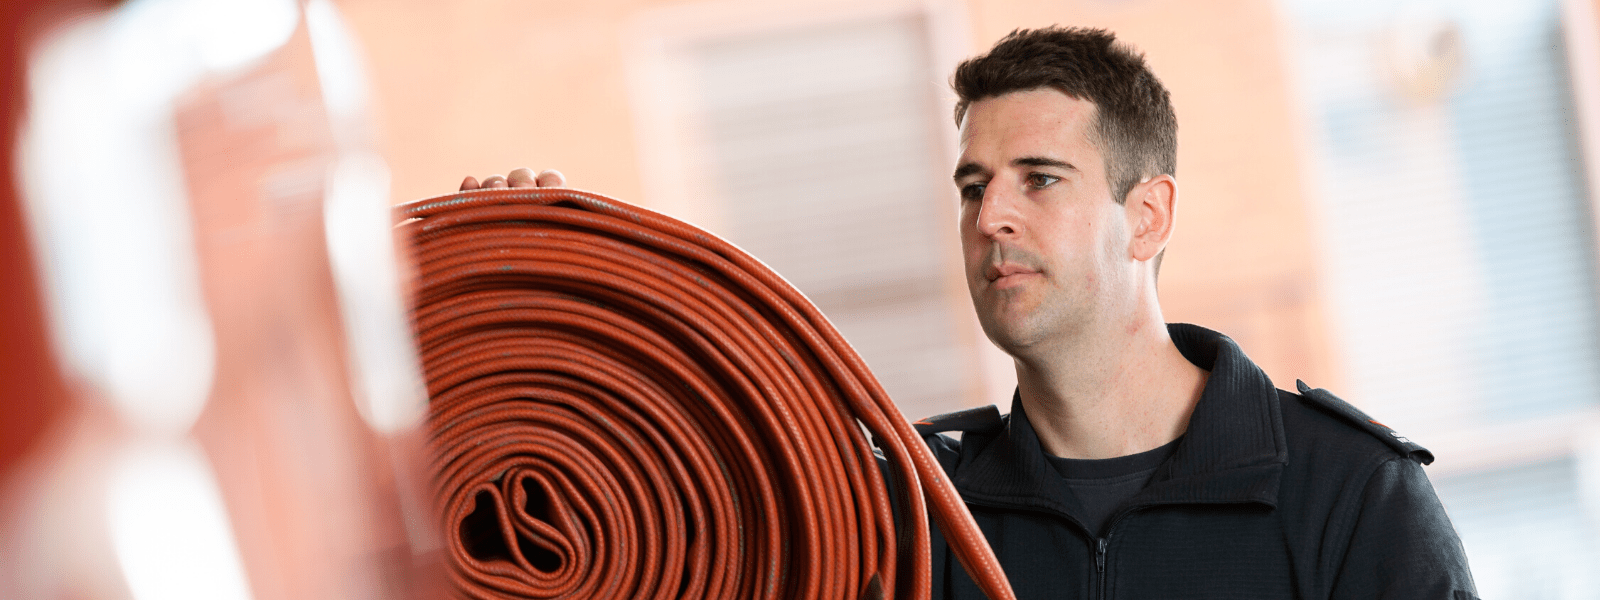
(1100,556)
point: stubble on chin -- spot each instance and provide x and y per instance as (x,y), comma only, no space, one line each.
(1004,317)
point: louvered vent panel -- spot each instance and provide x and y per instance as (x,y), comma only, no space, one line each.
(1460,259)
(823,156)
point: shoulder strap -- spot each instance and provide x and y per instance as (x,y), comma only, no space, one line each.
(1333,404)
(982,418)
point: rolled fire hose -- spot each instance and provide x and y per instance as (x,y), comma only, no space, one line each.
(625,406)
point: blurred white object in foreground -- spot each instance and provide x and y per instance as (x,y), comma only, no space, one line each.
(214,234)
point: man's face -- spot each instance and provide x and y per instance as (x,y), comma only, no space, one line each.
(1045,245)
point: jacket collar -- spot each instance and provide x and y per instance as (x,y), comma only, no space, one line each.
(1232,452)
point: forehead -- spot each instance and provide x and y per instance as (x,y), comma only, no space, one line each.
(1031,121)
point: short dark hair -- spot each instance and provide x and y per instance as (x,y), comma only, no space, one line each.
(1135,127)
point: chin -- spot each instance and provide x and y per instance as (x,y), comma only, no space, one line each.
(1010,337)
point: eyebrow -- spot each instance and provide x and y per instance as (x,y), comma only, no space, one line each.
(1040,161)
(1026,161)
(967,169)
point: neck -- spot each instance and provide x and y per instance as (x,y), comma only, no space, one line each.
(1119,388)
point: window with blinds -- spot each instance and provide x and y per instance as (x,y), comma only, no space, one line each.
(817,149)
(1460,259)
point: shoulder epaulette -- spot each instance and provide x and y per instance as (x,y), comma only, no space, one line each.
(972,419)
(1360,420)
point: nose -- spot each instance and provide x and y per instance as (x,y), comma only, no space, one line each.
(997,214)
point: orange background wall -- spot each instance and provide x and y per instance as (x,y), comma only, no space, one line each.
(484,86)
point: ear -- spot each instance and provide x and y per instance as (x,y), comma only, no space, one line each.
(1150,207)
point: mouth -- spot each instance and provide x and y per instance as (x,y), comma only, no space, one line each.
(1007,272)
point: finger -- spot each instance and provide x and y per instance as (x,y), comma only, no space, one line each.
(470,183)
(551,178)
(494,181)
(522,178)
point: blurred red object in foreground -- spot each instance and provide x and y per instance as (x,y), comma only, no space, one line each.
(34,393)
(239,424)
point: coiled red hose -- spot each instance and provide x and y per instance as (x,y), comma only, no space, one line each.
(625,406)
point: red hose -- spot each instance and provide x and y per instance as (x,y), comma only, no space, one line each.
(625,406)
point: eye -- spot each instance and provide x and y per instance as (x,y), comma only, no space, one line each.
(1041,180)
(973,191)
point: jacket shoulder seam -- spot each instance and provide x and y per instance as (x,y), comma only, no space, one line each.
(1350,510)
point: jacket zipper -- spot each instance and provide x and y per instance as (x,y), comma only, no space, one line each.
(1100,565)
(1103,544)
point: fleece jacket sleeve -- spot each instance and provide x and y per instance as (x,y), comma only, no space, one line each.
(1403,545)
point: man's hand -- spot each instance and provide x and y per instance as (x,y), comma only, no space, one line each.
(520,178)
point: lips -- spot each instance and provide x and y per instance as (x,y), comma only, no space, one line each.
(996,272)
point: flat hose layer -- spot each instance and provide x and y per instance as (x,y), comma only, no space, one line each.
(625,406)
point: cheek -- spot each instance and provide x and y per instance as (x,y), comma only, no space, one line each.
(972,256)
(967,218)
(1117,240)
(972,245)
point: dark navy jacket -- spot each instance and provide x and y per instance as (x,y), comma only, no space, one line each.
(1269,494)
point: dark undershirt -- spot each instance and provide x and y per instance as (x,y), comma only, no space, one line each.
(1103,485)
